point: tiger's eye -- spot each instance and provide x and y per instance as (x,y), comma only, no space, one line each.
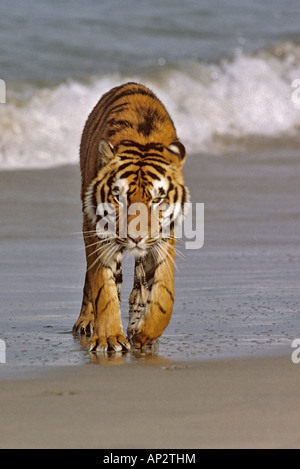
(164,206)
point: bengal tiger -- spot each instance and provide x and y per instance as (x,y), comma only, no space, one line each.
(130,152)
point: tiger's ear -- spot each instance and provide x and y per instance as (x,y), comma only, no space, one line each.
(178,149)
(106,150)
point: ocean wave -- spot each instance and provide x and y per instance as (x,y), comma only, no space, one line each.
(215,107)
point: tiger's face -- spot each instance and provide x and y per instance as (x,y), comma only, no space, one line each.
(143,212)
(139,200)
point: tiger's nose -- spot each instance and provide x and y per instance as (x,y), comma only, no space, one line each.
(135,240)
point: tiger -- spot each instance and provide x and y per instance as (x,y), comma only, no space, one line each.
(129,151)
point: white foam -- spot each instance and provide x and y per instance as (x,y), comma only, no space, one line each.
(45,129)
(249,95)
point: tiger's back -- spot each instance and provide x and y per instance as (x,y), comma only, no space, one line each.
(129,112)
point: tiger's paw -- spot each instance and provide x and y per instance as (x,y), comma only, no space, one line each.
(115,343)
(84,324)
(146,332)
(134,322)
(140,340)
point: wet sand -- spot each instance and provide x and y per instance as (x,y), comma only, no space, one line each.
(237,299)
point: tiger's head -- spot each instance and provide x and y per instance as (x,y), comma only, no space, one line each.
(137,199)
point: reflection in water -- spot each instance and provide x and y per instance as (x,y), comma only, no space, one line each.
(150,353)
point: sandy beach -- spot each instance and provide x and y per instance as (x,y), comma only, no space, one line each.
(220,376)
(218,404)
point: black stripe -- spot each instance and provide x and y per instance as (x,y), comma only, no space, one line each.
(131,143)
(109,301)
(102,194)
(154,155)
(112,132)
(184,197)
(94,198)
(171,185)
(118,108)
(124,123)
(131,92)
(110,180)
(118,126)
(124,166)
(98,296)
(161,308)
(175,195)
(170,293)
(120,123)
(117,95)
(149,276)
(143,148)
(159,169)
(119,277)
(152,175)
(103,105)
(127,158)
(126,174)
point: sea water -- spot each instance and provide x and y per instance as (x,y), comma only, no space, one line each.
(223,68)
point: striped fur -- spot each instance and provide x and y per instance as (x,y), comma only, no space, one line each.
(129,151)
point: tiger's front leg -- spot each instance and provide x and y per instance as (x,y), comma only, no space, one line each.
(138,297)
(158,311)
(108,332)
(85,321)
